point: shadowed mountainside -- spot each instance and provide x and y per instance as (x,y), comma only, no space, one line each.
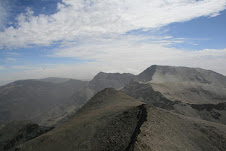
(42,102)
(52,101)
(18,132)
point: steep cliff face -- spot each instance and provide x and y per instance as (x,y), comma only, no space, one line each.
(147,75)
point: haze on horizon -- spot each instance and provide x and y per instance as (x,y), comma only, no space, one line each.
(78,38)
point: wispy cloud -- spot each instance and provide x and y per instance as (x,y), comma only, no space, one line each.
(77,19)
(128,55)
(120,55)
(10,59)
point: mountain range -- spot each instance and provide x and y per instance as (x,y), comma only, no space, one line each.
(162,108)
(49,101)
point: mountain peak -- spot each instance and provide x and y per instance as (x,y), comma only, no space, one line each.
(115,80)
(109,97)
(147,74)
(161,74)
(106,122)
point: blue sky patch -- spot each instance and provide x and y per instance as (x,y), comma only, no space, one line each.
(15,7)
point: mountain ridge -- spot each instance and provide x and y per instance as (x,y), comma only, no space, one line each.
(184,107)
(112,120)
(98,125)
(188,85)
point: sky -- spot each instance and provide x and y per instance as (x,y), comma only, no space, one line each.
(79,38)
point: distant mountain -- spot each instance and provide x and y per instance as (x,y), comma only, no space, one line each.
(114,121)
(42,102)
(115,80)
(100,82)
(189,91)
(51,101)
(167,74)
(189,85)
(55,80)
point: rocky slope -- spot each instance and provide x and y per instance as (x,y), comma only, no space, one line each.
(167,131)
(163,74)
(109,121)
(18,132)
(52,100)
(189,85)
(112,121)
(193,92)
(185,110)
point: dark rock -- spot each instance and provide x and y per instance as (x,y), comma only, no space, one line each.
(19,132)
(209,107)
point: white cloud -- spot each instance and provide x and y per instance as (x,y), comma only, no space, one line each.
(77,19)
(126,54)
(120,55)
